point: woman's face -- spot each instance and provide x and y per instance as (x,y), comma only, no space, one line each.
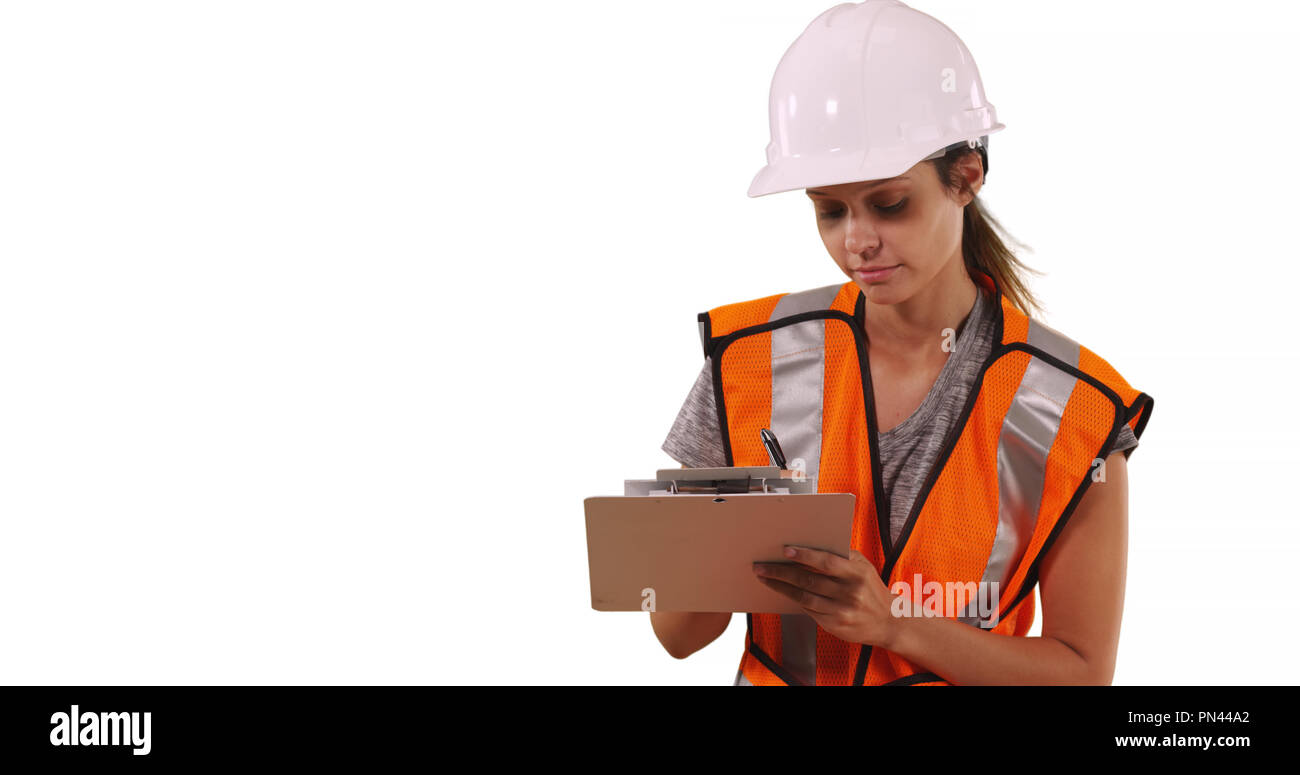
(909,223)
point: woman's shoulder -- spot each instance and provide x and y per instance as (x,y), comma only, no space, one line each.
(735,315)
(1134,404)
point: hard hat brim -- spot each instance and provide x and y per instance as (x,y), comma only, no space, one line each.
(791,173)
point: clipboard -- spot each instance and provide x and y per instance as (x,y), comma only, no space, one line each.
(686,541)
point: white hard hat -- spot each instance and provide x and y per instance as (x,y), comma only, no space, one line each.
(867,91)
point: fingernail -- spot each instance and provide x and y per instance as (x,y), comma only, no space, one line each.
(789,551)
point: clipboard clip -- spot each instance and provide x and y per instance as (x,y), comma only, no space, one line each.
(718,486)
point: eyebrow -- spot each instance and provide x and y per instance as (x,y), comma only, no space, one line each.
(868,187)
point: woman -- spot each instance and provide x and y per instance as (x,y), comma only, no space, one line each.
(992,457)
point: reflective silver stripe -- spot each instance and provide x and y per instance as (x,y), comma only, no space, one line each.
(704,340)
(741,680)
(1028,432)
(798,367)
(799,647)
(1053,342)
(805,301)
(798,374)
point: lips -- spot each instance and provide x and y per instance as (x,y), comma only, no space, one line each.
(876,274)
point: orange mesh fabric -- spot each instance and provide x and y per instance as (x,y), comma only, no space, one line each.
(757,673)
(733,317)
(1015,326)
(747,396)
(1095,365)
(847,299)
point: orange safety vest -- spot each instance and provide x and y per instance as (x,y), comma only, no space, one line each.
(1043,412)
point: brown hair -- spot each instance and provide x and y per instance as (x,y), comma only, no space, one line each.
(982,242)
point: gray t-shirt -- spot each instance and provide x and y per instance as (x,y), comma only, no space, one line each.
(907,451)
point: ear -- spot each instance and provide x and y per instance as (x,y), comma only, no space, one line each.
(970,166)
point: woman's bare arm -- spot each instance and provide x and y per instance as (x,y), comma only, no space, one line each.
(683,633)
(1082,590)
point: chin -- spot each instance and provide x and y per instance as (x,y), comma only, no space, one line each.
(881,293)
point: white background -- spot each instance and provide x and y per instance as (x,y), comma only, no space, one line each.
(319,320)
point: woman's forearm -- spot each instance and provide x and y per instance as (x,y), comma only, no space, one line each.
(683,633)
(962,654)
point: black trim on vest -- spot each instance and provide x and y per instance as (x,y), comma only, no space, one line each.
(1143,405)
(883,505)
(704,318)
(749,636)
(719,405)
(771,664)
(945,451)
(915,678)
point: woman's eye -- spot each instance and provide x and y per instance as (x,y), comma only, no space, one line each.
(887,209)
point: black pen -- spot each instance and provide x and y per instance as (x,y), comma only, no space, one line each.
(773,448)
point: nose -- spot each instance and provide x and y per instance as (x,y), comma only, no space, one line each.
(860,234)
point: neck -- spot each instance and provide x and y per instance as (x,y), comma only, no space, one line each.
(916,325)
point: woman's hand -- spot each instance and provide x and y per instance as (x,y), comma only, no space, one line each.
(844,596)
